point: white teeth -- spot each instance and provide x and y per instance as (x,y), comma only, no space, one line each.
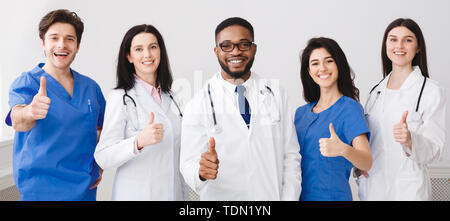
(61,54)
(324,76)
(236,61)
(399,53)
(148,62)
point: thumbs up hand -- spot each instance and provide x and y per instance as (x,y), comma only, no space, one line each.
(38,108)
(209,163)
(153,133)
(401,131)
(333,146)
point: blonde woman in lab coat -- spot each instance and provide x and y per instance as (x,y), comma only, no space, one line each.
(406,117)
(141,133)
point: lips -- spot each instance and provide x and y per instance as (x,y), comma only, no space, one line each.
(61,54)
(148,62)
(236,61)
(324,76)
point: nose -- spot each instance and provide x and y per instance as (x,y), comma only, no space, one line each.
(322,67)
(235,51)
(400,44)
(60,43)
(147,53)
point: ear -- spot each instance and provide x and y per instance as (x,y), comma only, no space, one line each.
(255,47)
(216,51)
(129,59)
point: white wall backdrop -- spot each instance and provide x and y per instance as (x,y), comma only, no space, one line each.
(282,29)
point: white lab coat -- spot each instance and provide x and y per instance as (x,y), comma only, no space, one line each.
(260,163)
(397,172)
(153,172)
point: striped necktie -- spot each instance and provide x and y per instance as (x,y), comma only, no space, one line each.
(244,107)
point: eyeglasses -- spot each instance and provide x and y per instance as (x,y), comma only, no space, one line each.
(242,46)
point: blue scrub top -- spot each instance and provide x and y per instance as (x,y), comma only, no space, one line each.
(326,178)
(55,159)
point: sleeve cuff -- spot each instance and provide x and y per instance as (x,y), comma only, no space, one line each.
(407,150)
(136,151)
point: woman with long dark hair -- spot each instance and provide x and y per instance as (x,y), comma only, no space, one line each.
(406,115)
(331,129)
(141,133)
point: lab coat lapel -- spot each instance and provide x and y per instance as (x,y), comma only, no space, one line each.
(146,101)
(224,103)
(412,79)
(165,102)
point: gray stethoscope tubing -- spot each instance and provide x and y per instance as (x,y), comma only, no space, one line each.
(418,100)
(134,103)
(216,129)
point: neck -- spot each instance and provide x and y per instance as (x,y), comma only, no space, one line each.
(328,96)
(398,76)
(235,81)
(401,70)
(57,73)
(148,78)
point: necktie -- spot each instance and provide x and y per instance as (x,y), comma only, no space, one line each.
(244,107)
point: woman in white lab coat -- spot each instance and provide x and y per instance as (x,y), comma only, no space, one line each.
(406,117)
(142,127)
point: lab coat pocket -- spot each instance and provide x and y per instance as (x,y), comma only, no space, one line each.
(269,112)
(411,187)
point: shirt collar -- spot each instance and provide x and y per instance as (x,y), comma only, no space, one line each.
(148,87)
(229,87)
(415,75)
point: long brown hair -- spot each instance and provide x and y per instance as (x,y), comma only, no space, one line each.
(420,58)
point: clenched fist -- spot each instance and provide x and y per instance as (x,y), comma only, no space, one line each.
(38,108)
(152,133)
(209,163)
(401,131)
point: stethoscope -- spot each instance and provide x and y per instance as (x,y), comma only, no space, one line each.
(127,99)
(216,128)
(368,107)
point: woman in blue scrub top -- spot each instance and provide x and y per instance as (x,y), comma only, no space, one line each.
(331,128)
(57,114)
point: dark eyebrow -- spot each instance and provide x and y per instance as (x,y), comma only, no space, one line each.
(229,41)
(318,59)
(56,34)
(408,36)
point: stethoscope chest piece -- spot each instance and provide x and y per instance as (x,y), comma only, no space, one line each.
(216,130)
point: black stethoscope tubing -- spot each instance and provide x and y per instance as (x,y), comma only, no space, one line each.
(420,95)
(134,103)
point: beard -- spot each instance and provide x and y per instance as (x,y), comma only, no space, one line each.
(237,74)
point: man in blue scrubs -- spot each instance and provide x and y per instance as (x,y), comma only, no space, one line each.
(57,114)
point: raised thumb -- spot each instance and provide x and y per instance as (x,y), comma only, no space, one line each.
(404,116)
(42,87)
(152,117)
(332,132)
(212,145)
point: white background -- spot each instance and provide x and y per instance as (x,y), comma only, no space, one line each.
(282,29)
